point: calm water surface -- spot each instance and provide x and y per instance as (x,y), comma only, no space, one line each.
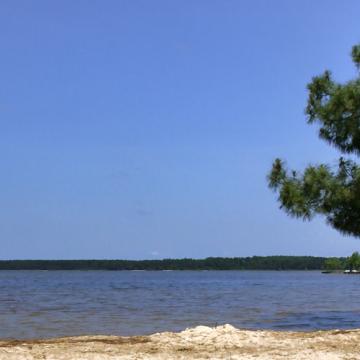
(58,303)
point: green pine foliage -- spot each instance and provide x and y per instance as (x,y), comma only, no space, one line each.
(322,189)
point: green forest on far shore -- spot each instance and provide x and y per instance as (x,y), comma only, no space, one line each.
(210,263)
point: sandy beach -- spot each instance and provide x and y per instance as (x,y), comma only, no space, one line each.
(222,342)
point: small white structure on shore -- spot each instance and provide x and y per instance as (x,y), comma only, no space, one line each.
(350,271)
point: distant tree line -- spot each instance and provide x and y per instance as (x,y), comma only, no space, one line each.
(210,263)
(350,263)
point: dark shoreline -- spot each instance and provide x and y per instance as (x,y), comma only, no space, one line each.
(212,263)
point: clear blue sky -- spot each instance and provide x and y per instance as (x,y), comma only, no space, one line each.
(145,129)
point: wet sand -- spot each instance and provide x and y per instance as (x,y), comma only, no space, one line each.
(222,342)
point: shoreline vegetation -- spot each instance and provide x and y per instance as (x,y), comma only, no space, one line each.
(201,342)
(210,263)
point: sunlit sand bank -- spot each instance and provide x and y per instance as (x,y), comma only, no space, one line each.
(222,342)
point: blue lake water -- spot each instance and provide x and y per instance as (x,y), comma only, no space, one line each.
(39,304)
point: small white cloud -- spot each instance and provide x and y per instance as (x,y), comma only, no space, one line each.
(154,253)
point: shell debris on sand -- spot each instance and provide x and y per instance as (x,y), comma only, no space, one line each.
(201,342)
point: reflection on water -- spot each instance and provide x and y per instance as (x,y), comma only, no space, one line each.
(59,303)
